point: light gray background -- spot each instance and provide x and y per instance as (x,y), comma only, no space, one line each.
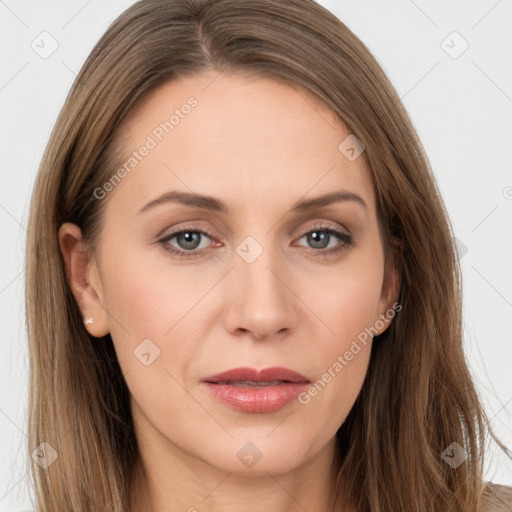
(461,107)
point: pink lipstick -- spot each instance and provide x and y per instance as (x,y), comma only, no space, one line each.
(256,391)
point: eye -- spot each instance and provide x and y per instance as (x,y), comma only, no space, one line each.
(320,237)
(188,241)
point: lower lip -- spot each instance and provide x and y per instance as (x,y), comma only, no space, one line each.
(256,400)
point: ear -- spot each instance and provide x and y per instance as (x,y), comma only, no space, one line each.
(84,279)
(391,285)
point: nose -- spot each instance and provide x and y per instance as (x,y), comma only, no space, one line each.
(260,298)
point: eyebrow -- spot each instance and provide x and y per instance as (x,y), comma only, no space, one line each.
(217,205)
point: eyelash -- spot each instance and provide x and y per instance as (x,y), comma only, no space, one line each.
(346,240)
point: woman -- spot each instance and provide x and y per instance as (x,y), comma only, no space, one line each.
(247,295)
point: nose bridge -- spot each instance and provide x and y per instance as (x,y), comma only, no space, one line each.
(260,300)
(258,269)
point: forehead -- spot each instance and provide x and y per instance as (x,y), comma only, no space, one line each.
(239,137)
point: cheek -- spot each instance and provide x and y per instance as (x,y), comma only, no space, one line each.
(149,301)
(150,323)
(347,301)
(348,307)
(148,292)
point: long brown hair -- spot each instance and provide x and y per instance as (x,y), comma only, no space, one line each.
(418,396)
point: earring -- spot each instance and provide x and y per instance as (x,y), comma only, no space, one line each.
(88,321)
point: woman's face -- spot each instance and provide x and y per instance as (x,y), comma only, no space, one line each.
(262,281)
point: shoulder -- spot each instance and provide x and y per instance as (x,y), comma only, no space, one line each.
(496,498)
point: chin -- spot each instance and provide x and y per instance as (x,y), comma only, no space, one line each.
(258,455)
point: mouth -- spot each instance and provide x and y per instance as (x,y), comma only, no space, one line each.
(256,391)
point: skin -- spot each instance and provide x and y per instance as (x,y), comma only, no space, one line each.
(260,146)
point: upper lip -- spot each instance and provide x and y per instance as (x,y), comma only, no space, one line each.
(255,375)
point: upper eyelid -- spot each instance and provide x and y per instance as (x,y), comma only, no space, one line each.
(324,226)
